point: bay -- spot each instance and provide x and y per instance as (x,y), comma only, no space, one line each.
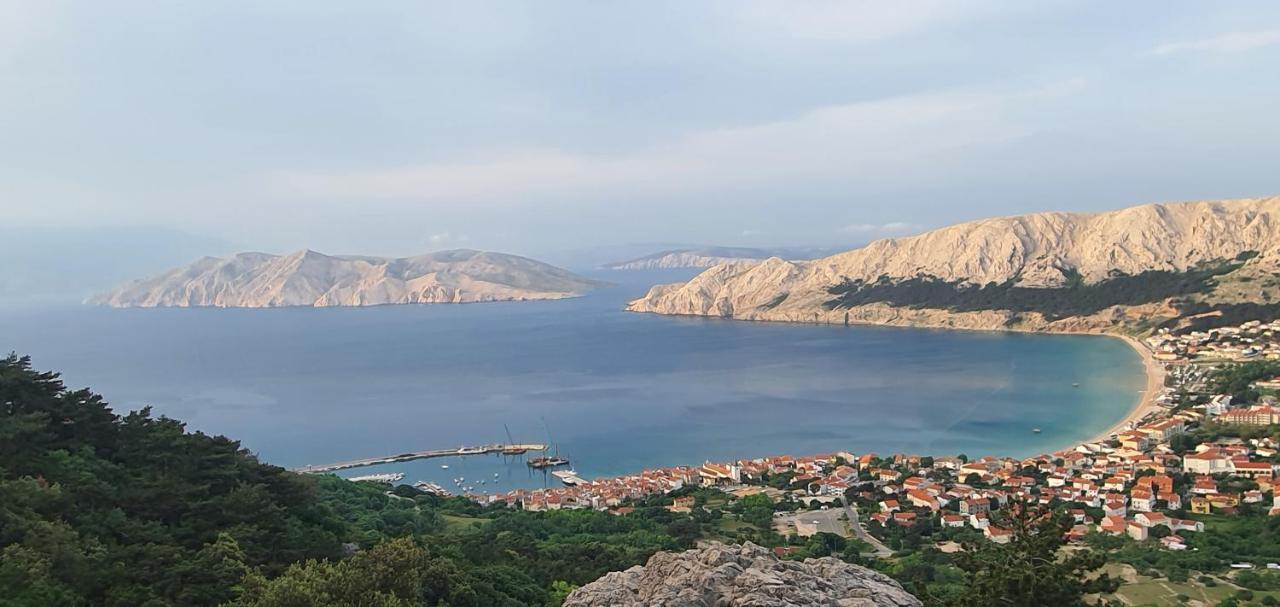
(616,392)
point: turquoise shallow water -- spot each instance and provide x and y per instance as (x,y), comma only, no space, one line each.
(619,392)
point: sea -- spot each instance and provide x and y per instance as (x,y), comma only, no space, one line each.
(614,392)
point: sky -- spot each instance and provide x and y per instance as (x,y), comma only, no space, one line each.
(396,128)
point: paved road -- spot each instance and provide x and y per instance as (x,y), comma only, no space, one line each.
(882,551)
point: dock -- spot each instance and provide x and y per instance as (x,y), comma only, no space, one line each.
(406,457)
(569,477)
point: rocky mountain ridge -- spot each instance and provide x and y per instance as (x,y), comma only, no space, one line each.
(707,257)
(747,575)
(918,280)
(308,278)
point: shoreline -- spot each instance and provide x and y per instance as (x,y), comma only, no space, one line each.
(1146,404)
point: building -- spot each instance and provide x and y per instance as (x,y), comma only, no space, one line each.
(1209,461)
(1261,415)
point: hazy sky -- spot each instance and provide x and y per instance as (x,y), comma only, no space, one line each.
(401,127)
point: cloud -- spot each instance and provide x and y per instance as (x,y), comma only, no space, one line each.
(1231,42)
(876,141)
(858,20)
(893,228)
(444,237)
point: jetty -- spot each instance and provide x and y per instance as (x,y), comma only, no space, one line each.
(405,457)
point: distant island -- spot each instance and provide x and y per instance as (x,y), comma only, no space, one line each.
(308,278)
(1133,271)
(706,257)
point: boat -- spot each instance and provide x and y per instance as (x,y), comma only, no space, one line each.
(548,462)
(385,478)
(553,461)
(1075,385)
(509,448)
(444,466)
(470,450)
(568,477)
(1035,430)
(431,488)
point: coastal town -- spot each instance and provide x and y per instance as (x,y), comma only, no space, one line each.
(1149,480)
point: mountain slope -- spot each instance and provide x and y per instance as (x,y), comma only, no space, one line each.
(706,257)
(307,278)
(1043,271)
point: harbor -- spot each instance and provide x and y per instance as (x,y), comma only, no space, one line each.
(499,449)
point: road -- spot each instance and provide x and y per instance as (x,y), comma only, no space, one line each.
(826,521)
(882,551)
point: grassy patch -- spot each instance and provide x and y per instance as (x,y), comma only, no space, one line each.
(456,522)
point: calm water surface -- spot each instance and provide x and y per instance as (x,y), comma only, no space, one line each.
(616,391)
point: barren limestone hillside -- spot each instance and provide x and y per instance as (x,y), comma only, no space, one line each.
(741,576)
(1044,271)
(307,278)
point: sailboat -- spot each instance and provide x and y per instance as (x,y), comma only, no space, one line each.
(510,448)
(548,462)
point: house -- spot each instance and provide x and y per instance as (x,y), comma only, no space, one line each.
(1173,542)
(1204,486)
(975,505)
(719,474)
(1181,524)
(1252,469)
(1142,500)
(1136,531)
(1114,507)
(922,499)
(1164,430)
(682,504)
(1151,519)
(1201,505)
(888,505)
(953,520)
(1159,483)
(998,535)
(1114,525)
(1218,405)
(979,520)
(1134,440)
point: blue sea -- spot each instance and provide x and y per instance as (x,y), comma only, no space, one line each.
(615,391)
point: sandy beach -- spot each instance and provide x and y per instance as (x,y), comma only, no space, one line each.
(1147,403)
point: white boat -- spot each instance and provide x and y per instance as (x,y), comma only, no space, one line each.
(387,478)
(444,466)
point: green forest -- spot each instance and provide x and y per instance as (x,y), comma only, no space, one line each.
(98,508)
(1076,298)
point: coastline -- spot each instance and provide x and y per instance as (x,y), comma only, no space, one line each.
(1147,403)
(1144,405)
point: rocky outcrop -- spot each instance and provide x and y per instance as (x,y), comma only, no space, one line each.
(1042,250)
(307,278)
(740,576)
(710,256)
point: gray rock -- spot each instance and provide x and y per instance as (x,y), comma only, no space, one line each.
(748,575)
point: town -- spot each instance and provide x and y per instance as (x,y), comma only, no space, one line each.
(1204,450)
